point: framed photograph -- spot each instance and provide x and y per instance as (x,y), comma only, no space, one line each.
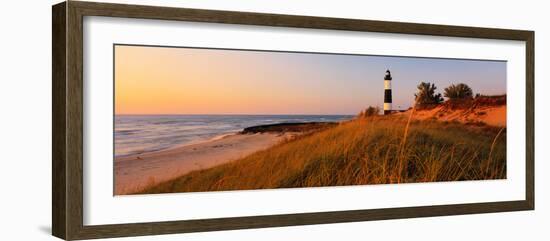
(171,120)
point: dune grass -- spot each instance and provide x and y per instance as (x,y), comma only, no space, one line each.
(371,150)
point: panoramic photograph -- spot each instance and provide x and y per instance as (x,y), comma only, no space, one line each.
(202,120)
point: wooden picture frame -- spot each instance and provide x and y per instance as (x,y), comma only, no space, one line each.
(67,123)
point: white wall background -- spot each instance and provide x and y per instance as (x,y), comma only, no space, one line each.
(25,121)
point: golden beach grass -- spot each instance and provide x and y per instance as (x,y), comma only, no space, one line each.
(372,150)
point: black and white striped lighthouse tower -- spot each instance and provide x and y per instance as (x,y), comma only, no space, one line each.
(387,93)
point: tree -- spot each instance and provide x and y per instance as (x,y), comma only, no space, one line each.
(459,91)
(426,95)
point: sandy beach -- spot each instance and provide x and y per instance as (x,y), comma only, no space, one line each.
(134,172)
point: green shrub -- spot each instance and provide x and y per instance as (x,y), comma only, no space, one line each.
(459,91)
(370,111)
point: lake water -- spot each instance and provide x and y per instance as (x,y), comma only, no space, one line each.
(144,133)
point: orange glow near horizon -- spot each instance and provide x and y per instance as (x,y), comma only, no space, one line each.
(199,81)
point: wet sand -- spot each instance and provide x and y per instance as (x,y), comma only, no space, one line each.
(134,172)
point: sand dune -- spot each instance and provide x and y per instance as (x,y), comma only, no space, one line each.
(135,172)
(490,115)
(362,151)
(490,110)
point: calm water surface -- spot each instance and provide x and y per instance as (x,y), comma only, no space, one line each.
(144,133)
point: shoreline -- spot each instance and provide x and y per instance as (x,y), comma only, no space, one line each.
(135,172)
(214,138)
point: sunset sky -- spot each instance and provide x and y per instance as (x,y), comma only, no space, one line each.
(166,80)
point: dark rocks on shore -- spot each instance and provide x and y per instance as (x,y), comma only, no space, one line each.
(289,127)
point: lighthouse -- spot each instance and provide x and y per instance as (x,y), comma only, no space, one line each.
(387,93)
